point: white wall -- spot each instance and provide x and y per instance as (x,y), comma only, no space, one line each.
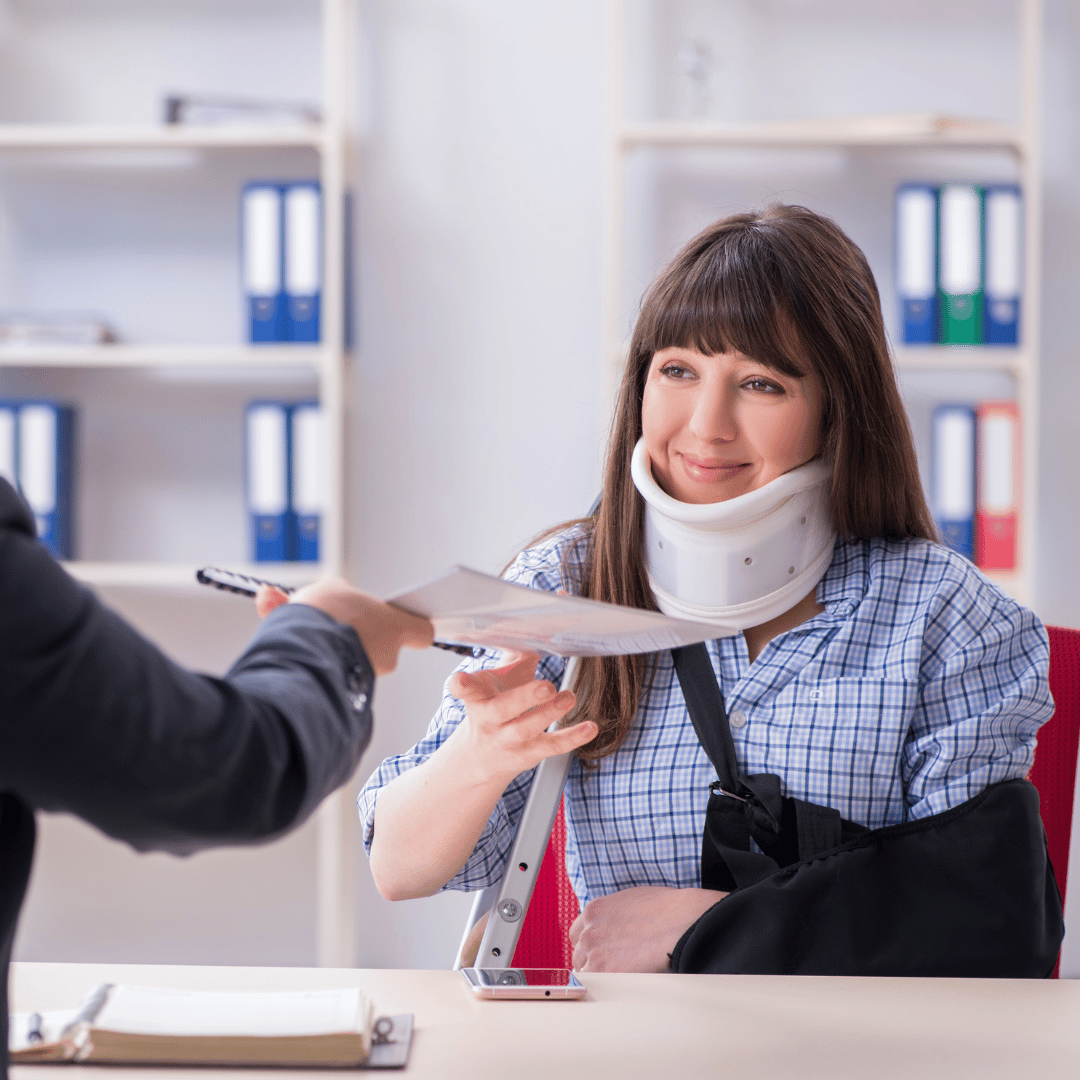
(477,413)
(477,416)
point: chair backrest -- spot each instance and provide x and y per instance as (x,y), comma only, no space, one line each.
(1054,770)
(544,941)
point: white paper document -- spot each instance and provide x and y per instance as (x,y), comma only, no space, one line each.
(471,608)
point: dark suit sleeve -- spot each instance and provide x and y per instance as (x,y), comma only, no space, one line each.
(94,720)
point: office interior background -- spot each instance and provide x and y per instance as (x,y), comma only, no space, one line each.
(477,395)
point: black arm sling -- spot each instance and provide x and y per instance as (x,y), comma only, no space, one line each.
(969,891)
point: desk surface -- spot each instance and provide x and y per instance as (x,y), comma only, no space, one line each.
(631,1026)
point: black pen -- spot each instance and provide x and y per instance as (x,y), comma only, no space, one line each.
(243,585)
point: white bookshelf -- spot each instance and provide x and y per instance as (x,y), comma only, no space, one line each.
(53,149)
(915,131)
(164,575)
(904,129)
(159,137)
(253,358)
(1017,362)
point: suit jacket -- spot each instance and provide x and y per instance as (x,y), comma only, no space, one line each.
(96,721)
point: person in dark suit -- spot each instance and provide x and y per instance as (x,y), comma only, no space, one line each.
(96,721)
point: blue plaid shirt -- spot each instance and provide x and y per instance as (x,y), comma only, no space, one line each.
(919,685)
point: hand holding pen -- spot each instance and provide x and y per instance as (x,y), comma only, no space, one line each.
(383,630)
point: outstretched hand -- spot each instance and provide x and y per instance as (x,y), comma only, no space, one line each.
(383,630)
(508,713)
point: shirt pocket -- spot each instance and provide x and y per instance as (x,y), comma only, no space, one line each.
(842,744)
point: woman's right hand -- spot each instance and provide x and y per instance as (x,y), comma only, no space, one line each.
(507,714)
(429,819)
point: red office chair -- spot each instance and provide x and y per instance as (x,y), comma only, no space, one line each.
(1054,770)
(544,942)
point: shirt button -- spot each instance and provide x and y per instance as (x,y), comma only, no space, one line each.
(355,683)
(738,719)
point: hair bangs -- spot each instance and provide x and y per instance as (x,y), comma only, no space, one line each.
(726,297)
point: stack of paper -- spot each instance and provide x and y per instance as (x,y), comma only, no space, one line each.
(467,607)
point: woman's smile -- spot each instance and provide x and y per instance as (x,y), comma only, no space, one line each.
(698,470)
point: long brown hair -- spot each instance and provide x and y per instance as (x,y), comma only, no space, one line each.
(787,287)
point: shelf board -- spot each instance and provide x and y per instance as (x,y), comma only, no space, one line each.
(960,358)
(161,575)
(170,356)
(901,129)
(155,136)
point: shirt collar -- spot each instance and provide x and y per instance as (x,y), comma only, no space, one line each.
(845,583)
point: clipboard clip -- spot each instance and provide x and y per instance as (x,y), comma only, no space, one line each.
(391,1038)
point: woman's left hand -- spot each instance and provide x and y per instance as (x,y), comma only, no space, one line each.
(636,929)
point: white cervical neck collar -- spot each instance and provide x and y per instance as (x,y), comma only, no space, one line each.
(741,562)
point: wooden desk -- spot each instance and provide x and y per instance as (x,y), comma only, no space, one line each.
(630,1026)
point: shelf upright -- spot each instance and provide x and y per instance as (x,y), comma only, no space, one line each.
(338,832)
(905,130)
(1027,379)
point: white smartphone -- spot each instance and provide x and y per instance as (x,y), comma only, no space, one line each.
(551,984)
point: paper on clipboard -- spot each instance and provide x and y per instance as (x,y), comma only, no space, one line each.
(467,607)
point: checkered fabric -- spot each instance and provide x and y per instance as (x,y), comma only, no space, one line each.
(919,685)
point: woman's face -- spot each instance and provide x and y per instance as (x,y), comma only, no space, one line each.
(719,426)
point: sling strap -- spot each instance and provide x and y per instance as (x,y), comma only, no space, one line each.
(744,808)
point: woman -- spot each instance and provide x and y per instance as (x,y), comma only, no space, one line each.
(878,674)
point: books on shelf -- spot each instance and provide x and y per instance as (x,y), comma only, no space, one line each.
(998,484)
(127,1025)
(952,488)
(916,262)
(1004,258)
(266,476)
(285,476)
(303,260)
(281,258)
(959,263)
(307,437)
(37,456)
(975,480)
(215,110)
(54,328)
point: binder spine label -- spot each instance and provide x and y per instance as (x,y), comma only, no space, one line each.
(916,245)
(960,265)
(1004,264)
(303,257)
(262,263)
(954,476)
(308,479)
(44,460)
(267,481)
(998,476)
